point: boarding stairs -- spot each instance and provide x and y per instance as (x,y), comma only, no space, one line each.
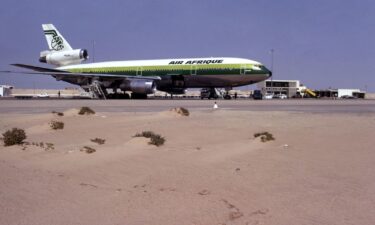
(96,90)
(310,92)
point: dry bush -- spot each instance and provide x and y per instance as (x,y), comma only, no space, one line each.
(14,137)
(264,136)
(56,125)
(86,111)
(58,113)
(155,139)
(98,141)
(181,110)
(88,149)
(46,146)
(146,134)
(49,146)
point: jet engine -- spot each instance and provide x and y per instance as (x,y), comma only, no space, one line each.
(63,58)
(139,86)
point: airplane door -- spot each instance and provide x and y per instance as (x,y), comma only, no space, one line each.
(243,69)
(193,70)
(139,71)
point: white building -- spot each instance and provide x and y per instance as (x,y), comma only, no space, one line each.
(5,90)
(288,87)
(347,92)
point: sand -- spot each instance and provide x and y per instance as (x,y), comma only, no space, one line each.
(211,170)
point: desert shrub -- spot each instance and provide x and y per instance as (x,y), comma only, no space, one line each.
(46,146)
(98,141)
(14,137)
(155,139)
(181,110)
(58,113)
(49,146)
(264,136)
(86,111)
(146,134)
(88,149)
(56,125)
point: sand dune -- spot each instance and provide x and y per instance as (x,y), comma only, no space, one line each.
(211,169)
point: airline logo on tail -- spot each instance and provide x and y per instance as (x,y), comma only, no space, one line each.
(59,52)
(57,43)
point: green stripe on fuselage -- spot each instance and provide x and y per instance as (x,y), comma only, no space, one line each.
(205,69)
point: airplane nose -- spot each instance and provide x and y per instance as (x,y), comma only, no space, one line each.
(268,72)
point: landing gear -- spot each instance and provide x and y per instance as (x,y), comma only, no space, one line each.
(139,96)
(227,95)
(215,93)
(210,93)
(124,95)
(118,96)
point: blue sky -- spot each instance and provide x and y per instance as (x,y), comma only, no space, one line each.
(324,44)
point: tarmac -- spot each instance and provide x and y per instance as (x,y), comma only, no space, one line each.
(36,106)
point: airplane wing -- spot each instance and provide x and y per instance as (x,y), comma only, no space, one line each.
(62,73)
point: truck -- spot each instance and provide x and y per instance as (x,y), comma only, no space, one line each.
(257,95)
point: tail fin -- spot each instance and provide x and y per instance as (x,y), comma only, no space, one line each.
(56,42)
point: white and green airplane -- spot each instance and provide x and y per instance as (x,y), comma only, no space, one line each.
(143,77)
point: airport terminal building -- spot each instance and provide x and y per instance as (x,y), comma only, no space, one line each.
(290,88)
(293,88)
(5,90)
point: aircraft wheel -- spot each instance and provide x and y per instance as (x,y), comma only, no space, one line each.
(139,96)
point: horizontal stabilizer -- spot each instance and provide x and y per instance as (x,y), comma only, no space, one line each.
(37,68)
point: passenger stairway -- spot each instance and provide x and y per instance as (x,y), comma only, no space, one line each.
(310,92)
(96,91)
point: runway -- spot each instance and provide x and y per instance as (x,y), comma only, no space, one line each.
(153,105)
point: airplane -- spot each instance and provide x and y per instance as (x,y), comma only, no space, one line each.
(142,77)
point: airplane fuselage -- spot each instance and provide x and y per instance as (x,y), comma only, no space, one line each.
(183,73)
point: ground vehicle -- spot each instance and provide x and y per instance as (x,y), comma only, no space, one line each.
(257,95)
(297,95)
(42,95)
(268,96)
(280,96)
(348,97)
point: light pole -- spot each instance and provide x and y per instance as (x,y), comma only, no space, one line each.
(272,51)
(93,51)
